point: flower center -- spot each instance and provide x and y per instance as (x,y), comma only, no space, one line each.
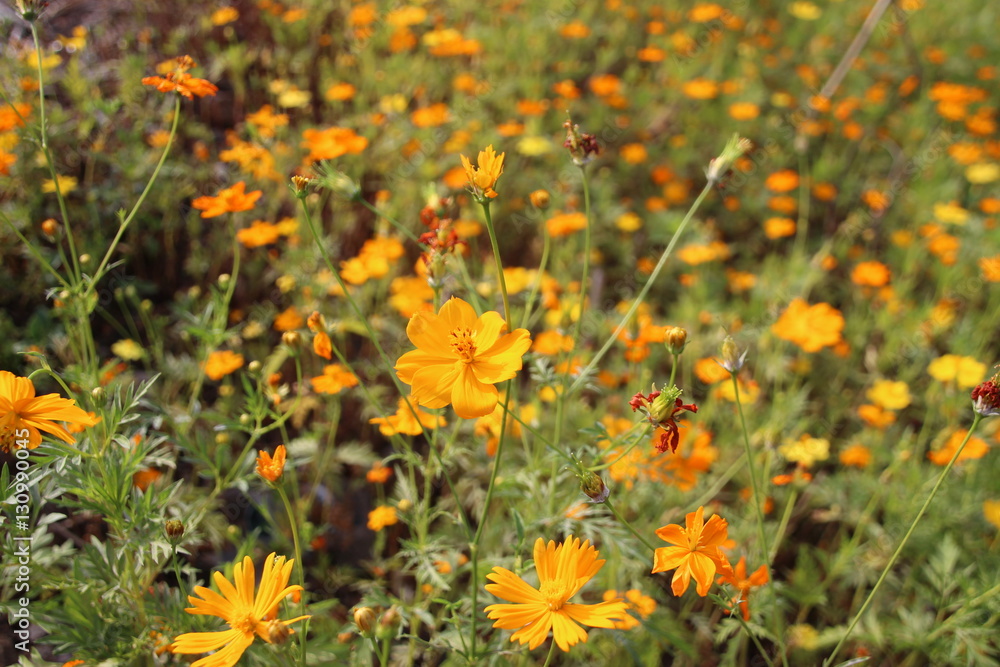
(463,342)
(245,622)
(555,594)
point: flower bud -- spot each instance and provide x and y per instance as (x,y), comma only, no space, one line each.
(404,505)
(594,487)
(735,148)
(301,185)
(50,227)
(364,618)
(663,404)
(291,338)
(539,199)
(389,623)
(277,631)
(254,366)
(986,399)
(732,360)
(676,339)
(174,529)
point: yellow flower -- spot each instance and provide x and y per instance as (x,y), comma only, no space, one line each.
(806,11)
(243,610)
(562,571)
(985,172)
(224,15)
(459,358)
(889,395)
(806,451)
(484,177)
(335,379)
(66,184)
(128,350)
(382,516)
(991,510)
(964,371)
(23,415)
(404,422)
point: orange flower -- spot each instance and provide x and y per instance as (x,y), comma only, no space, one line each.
(379,473)
(782,181)
(404,422)
(181,82)
(459,357)
(23,415)
(976,448)
(857,456)
(221,364)
(431,116)
(565,224)
(229,200)
(871,274)
(381,517)
(738,579)
(258,234)
(271,468)
(335,379)
(696,552)
(332,143)
(810,327)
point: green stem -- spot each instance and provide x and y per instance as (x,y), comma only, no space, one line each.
(395,223)
(74,256)
(906,537)
(496,258)
(586,264)
(537,282)
(645,290)
(629,526)
(297,546)
(552,652)
(98,274)
(765,550)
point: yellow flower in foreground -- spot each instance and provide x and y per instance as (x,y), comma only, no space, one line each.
(244,611)
(562,571)
(484,177)
(695,553)
(23,416)
(459,358)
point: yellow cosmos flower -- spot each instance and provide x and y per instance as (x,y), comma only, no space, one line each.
(484,177)
(562,571)
(23,416)
(246,613)
(404,422)
(459,357)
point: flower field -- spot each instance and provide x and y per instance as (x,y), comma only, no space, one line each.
(458,333)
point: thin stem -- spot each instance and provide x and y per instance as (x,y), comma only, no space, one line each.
(629,526)
(586,261)
(645,290)
(296,545)
(395,223)
(496,258)
(98,274)
(552,652)
(753,474)
(906,537)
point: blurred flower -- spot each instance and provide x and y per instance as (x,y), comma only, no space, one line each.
(459,357)
(241,608)
(382,517)
(564,224)
(965,372)
(266,121)
(991,510)
(976,448)
(806,451)
(23,415)
(332,143)
(178,80)
(271,468)
(221,363)
(871,274)
(379,473)
(224,15)
(258,234)
(562,571)
(404,422)
(229,200)
(483,177)
(982,173)
(643,605)
(738,579)
(990,267)
(128,350)
(696,552)
(889,394)
(335,379)
(857,456)
(810,327)
(66,184)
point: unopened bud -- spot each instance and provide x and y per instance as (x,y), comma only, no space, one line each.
(97,393)
(732,360)
(986,399)
(389,623)
(364,618)
(301,184)
(50,227)
(291,338)
(224,279)
(735,148)
(539,199)
(277,631)
(404,505)
(174,529)
(594,487)
(676,339)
